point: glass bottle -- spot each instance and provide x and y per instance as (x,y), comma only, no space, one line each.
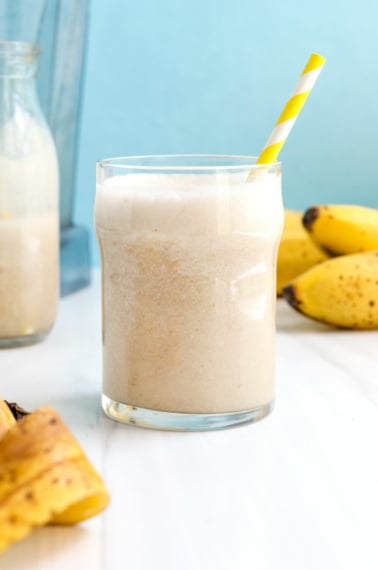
(29,207)
(60,27)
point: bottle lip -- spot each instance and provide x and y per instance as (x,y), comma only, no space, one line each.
(14,48)
(18,60)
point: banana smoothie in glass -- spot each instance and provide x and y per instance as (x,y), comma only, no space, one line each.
(188,250)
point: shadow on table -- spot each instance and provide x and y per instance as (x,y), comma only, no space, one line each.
(36,551)
(81,407)
(291,321)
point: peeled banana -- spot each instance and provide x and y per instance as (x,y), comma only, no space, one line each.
(297,251)
(343,229)
(342,291)
(45,476)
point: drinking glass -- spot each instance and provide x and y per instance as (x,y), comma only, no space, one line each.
(188,251)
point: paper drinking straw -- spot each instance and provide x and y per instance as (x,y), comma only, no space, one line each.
(292,109)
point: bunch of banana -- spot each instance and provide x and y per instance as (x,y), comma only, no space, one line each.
(342,291)
(45,476)
(297,251)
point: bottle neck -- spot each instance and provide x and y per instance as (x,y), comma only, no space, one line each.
(18,94)
(21,119)
(18,60)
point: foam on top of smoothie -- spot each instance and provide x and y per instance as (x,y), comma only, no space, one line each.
(190,203)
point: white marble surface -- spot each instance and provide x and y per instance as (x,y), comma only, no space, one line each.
(296,491)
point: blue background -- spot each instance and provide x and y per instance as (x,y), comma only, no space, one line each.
(206,76)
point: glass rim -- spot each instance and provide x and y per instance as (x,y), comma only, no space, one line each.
(16,47)
(133,162)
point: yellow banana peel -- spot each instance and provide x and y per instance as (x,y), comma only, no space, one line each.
(343,228)
(45,477)
(297,252)
(342,291)
(292,221)
(7,419)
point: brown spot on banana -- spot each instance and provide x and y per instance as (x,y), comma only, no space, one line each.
(17,411)
(310,216)
(289,294)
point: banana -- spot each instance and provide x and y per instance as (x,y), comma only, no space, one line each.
(45,477)
(342,291)
(7,419)
(343,229)
(297,251)
(292,221)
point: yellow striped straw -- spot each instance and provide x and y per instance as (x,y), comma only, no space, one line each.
(292,109)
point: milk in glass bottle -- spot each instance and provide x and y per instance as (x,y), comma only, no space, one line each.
(29,227)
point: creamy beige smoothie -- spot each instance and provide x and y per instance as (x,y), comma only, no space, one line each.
(188,265)
(29,232)
(28,275)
